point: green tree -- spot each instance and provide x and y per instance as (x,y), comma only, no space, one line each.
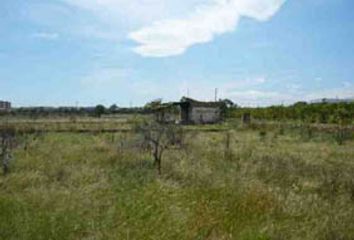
(153,104)
(99,110)
(113,108)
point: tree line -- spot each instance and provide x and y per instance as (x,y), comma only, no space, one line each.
(94,111)
(336,113)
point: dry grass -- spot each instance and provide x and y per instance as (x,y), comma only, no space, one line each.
(276,185)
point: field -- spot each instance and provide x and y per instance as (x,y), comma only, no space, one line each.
(225,181)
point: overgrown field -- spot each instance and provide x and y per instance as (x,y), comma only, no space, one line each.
(237,184)
(69,124)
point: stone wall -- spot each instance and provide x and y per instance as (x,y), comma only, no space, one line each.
(200,115)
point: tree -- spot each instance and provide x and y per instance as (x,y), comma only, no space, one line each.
(228,103)
(113,108)
(99,110)
(153,104)
(343,116)
(159,137)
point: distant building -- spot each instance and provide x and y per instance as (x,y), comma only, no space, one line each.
(5,106)
(190,111)
(196,112)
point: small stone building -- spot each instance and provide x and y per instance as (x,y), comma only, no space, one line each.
(5,106)
(190,111)
(197,112)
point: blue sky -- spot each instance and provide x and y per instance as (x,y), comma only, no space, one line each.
(256,52)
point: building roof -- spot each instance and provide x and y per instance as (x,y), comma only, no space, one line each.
(194,103)
(187,102)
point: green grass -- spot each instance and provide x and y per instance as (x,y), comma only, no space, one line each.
(272,185)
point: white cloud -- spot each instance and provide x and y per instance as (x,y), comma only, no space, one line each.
(174,36)
(167,28)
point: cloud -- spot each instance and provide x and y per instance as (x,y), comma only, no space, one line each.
(167,28)
(171,37)
(46,35)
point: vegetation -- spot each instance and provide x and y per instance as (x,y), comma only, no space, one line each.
(54,112)
(229,181)
(158,138)
(335,113)
(99,110)
(7,136)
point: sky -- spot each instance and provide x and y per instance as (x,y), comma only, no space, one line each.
(129,52)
